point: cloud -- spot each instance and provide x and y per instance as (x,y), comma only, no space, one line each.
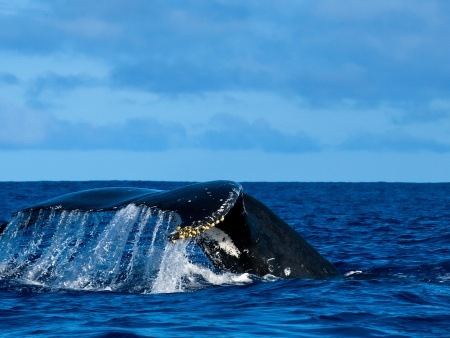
(8,78)
(434,111)
(392,54)
(228,132)
(56,85)
(28,129)
(385,51)
(147,134)
(21,128)
(394,141)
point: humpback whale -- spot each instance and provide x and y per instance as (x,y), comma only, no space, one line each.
(236,232)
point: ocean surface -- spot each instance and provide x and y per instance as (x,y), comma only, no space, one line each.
(390,241)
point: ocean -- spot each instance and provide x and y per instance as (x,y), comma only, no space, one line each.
(390,242)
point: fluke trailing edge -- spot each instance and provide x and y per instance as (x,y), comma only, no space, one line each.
(235,231)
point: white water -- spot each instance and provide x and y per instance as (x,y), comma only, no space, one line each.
(126,250)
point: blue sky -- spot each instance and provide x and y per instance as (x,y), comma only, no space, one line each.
(249,91)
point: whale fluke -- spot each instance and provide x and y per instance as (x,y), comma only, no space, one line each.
(236,231)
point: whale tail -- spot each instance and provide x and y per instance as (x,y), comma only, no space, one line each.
(235,231)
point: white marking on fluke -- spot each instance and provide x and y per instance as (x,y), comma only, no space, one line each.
(223,241)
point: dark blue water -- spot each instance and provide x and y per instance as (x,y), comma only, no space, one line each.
(391,241)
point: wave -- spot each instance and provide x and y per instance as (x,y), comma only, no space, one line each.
(431,273)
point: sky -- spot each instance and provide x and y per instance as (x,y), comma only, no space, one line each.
(305,91)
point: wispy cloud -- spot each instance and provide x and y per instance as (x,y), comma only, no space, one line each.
(28,129)
(227,132)
(56,85)
(8,78)
(133,135)
(435,111)
(394,142)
